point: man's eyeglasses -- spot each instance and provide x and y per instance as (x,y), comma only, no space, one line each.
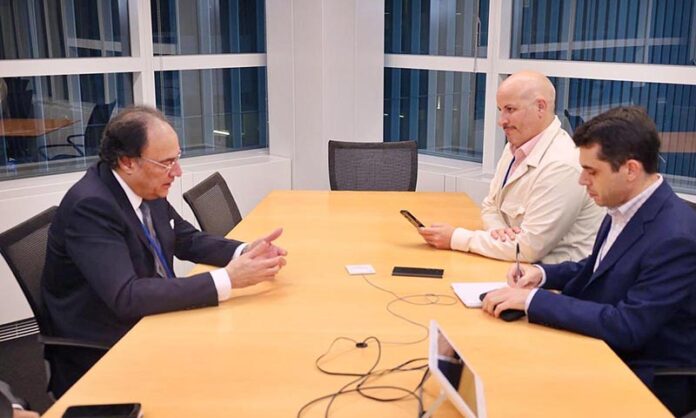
(167,166)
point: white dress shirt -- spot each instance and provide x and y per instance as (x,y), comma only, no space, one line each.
(620,217)
(222,281)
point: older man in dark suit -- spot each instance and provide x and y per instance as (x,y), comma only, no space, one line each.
(111,246)
(637,290)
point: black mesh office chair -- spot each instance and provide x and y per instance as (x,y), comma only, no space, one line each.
(213,205)
(24,249)
(101,113)
(690,203)
(378,166)
(574,120)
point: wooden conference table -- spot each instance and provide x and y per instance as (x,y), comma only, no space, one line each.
(254,356)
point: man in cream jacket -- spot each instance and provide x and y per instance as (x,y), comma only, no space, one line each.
(534,199)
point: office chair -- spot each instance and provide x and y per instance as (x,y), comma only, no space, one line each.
(574,120)
(690,203)
(101,113)
(24,249)
(378,166)
(213,205)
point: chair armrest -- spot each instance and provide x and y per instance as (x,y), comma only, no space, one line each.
(676,371)
(71,342)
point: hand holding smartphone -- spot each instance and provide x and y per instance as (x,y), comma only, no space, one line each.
(414,221)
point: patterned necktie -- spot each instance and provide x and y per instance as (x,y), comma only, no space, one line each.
(155,248)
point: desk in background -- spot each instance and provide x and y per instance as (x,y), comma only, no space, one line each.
(21,136)
(254,355)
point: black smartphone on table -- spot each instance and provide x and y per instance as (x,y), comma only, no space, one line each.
(418,272)
(116,410)
(414,221)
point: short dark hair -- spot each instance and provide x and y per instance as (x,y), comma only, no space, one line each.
(623,133)
(126,133)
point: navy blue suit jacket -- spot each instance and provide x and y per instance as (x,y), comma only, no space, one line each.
(100,279)
(642,299)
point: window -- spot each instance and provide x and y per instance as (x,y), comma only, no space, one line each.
(671,106)
(650,32)
(210,27)
(441,110)
(599,53)
(436,27)
(63,28)
(51,122)
(55,123)
(218,111)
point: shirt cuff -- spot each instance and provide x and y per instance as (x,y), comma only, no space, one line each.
(460,239)
(543,275)
(17,407)
(223,285)
(239,250)
(531,294)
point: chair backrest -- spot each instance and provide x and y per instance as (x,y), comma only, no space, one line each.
(213,205)
(574,120)
(690,203)
(378,166)
(101,113)
(24,249)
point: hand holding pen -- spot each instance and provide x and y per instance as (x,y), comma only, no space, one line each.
(523,275)
(518,272)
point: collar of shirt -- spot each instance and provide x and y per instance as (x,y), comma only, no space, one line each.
(523,151)
(133,198)
(623,214)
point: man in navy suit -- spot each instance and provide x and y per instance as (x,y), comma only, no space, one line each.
(111,246)
(637,290)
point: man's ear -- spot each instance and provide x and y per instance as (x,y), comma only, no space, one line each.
(541,105)
(634,168)
(126,164)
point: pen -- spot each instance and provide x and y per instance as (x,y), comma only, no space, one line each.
(518,272)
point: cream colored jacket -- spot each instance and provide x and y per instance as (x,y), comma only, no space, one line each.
(558,219)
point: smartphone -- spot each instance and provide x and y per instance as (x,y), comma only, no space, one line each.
(418,272)
(414,221)
(116,410)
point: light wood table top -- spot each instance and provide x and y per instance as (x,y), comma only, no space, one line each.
(31,127)
(254,356)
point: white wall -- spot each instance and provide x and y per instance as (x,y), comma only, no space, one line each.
(250,175)
(325,64)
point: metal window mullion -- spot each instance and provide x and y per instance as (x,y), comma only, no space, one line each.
(431,140)
(140,17)
(648,29)
(236,129)
(447,108)
(433,30)
(261,92)
(395,102)
(205,46)
(413,99)
(415,26)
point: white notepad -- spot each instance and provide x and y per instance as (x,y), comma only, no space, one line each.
(469,292)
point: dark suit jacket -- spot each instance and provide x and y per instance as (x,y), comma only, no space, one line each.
(642,298)
(100,279)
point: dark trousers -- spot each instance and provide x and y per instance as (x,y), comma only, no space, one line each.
(68,365)
(677,393)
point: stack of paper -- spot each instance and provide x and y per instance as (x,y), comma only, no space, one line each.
(470,292)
